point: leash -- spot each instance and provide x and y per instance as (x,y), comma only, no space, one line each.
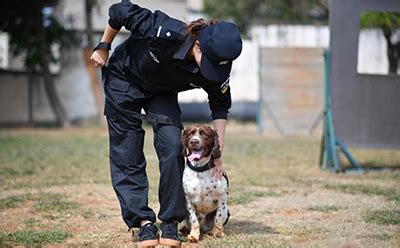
(149,117)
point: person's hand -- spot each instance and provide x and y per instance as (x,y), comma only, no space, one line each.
(218,169)
(99,57)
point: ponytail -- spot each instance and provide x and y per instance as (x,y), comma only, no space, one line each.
(196,26)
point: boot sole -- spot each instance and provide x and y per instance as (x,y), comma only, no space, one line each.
(147,243)
(169,242)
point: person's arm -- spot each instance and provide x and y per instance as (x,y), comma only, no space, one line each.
(219,126)
(220,103)
(100,56)
(137,20)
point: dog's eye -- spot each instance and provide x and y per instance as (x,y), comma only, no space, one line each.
(205,136)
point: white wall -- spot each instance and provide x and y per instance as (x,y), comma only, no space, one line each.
(291,36)
(3,50)
(72,11)
(244,78)
(245,73)
(372,50)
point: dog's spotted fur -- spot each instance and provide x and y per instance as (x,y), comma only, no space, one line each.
(206,197)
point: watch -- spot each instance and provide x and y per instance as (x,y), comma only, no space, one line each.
(103,45)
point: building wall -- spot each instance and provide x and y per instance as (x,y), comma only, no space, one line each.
(4,47)
(292,81)
(72,85)
(72,11)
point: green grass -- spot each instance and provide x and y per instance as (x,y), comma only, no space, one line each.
(33,160)
(33,238)
(47,202)
(32,222)
(14,201)
(284,171)
(390,193)
(325,208)
(54,203)
(241,241)
(247,196)
(383,217)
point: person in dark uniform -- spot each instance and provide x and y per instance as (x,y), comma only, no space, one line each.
(162,56)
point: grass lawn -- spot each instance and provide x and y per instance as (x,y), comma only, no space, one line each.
(55,189)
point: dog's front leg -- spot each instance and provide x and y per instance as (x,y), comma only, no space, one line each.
(194,234)
(220,217)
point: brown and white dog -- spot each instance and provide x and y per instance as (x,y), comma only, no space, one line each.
(206,197)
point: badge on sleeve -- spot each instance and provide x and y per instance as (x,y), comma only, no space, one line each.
(225,86)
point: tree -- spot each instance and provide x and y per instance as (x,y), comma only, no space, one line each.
(389,23)
(96,84)
(246,12)
(32,33)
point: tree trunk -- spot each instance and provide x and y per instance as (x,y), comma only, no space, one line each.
(58,110)
(31,81)
(393,52)
(97,92)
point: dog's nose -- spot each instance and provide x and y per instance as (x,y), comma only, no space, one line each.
(194,141)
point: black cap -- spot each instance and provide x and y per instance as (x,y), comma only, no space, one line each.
(220,44)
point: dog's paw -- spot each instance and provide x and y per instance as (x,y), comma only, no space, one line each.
(193,238)
(217,231)
(184,230)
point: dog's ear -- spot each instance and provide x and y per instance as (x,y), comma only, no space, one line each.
(216,152)
(185,141)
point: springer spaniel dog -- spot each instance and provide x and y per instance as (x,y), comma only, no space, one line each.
(206,197)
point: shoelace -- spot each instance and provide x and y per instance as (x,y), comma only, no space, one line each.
(171,227)
(147,226)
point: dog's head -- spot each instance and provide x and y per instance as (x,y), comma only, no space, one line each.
(200,141)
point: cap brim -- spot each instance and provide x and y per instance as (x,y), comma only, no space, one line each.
(214,72)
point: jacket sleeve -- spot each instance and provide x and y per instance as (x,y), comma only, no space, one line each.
(134,18)
(219,102)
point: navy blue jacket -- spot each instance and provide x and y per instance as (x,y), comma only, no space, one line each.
(154,56)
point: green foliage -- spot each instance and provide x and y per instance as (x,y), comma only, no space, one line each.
(23,21)
(244,12)
(30,238)
(388,22)
(383,20)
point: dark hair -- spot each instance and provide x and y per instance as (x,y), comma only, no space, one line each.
(194,27)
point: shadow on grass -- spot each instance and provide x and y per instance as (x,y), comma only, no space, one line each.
(234,227)
(378,166)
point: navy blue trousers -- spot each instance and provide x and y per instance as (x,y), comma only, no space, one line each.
(127,160)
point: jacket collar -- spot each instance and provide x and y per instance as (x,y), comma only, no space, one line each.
(184,48)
